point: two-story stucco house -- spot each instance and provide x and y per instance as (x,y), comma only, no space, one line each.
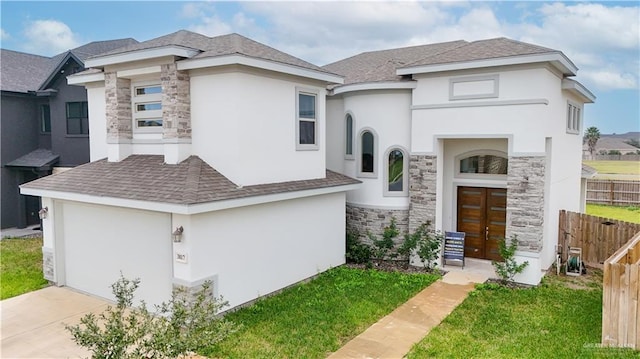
(210,156)
(208,163)
(481,137)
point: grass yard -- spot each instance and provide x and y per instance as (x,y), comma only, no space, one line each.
(20,266)
(313,319)
(615,167)
(558,319)
(627,214)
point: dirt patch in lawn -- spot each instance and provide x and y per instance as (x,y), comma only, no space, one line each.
(589,281)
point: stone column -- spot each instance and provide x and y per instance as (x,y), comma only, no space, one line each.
(118,116)
(422,190)
(525,201)
(176,113)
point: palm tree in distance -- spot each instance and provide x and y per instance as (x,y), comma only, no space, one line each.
(591,137)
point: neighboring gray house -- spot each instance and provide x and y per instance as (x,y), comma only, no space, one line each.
(44,122)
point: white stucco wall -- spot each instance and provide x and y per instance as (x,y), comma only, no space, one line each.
(259,249)
(529,124)
(97,121)
(335,134)
(244,126)
(95,243)
(387,113)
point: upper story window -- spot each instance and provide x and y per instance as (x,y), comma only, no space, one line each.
(306,121)
(573,119)
(147,107)
(77,118)
(489,164)
(367,158)
(396,179)
(45,119)
(348,152)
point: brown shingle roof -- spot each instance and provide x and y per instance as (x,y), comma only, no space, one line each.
(148,178)
(483,50)
(231,44)
(376,66)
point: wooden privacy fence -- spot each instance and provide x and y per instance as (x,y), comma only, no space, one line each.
(613,192)
(598,237)
(620,293)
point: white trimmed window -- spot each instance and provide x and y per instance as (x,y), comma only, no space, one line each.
(146,101)
(367,142)
(348,141)
(574,119)
(306,121)
(395,173)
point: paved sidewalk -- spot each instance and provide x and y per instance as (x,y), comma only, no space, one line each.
(21,232)
(393,336)
(33,323)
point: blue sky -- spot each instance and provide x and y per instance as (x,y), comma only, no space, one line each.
(601,38)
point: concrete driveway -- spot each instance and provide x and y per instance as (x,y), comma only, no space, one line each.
(33,323)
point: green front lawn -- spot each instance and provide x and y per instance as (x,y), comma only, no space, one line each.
(20,266)
(553,320)
(314,319)
(627,214)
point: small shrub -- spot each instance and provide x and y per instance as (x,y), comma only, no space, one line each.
(509,268)
(179,327)
(614,152)
(356,251)
(425,243)
(383,248)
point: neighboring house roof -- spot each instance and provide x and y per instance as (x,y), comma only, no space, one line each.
(22,72)
(148,178)
(390,65)
(375,66)
(35,159)
(588,171)
(231,44)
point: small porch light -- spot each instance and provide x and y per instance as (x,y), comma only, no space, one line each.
(43,212)
(177,234)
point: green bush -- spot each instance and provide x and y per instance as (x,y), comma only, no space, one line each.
(509,268)
(356,251)
(425,243)
(383,248)
(183,325)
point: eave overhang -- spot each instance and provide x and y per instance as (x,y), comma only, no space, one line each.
(186,209)
(558,60)
(140,55)
(237,59)
(578,90)
(365,86)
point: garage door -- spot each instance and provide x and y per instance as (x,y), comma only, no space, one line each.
(102,241)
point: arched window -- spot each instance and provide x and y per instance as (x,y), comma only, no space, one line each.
(367,158)
(490,164)
(396,166)
(349,137)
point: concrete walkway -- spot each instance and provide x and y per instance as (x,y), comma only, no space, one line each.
(393,336)
(33,323)
(33,230)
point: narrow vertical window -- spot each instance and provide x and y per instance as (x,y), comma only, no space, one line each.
(349,136)
(77,118)
(367,145)
(306,119)
(45,119)
(395,182)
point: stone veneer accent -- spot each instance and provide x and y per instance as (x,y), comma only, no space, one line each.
(192,289)
(118,107)
(525,201)
(422,190)
(363,220)
(47,264)
(176,102)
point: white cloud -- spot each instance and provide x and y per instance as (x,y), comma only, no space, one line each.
(603,41)
(49,37)
(4,35)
